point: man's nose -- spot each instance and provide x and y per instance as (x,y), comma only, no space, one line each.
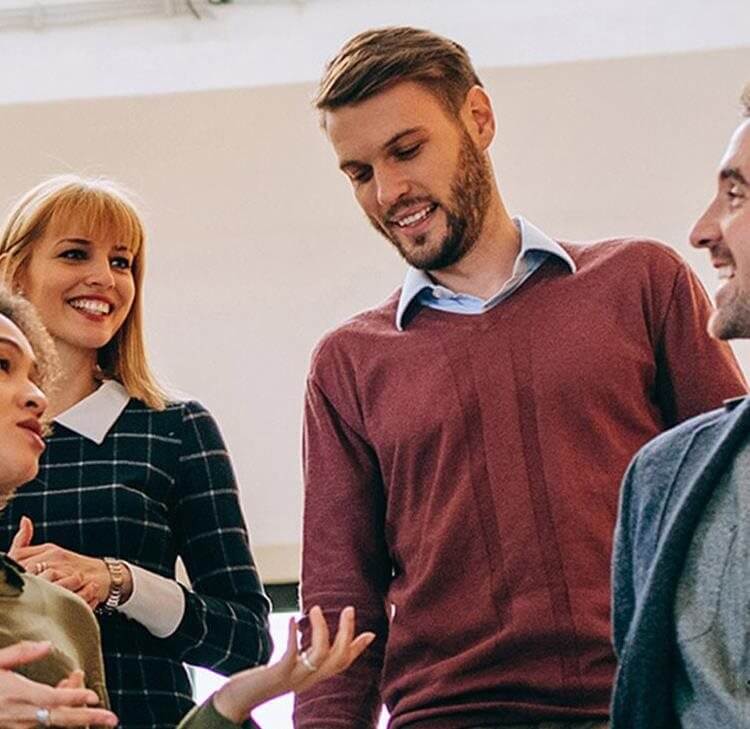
(391,185)
(706,230)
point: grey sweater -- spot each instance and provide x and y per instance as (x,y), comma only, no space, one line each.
(665,492)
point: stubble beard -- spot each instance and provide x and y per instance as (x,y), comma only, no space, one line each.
(465,213)
(732,320)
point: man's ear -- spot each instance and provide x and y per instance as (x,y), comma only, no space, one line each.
(479,117)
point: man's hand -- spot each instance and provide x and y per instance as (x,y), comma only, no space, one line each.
(69,704)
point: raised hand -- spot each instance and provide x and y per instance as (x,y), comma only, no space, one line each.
(295,671)
(21,700)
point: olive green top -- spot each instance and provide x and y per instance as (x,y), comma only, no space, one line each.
(205,716)
(33,609)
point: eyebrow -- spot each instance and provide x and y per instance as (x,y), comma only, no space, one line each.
(390,143)
(86,242)
(732,173)
(12,342)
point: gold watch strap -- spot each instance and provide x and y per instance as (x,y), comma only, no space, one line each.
(116,580)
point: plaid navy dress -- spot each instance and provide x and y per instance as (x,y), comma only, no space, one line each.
(159,485)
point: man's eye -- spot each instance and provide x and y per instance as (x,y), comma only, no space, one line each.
(4,365)
(361,175)
(407,152)
(735,192)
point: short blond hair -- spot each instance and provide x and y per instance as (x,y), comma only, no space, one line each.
(97,204)
(376,59)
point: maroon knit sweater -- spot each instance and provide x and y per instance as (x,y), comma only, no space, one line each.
(462,483)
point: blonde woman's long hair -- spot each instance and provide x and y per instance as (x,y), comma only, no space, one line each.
(94,205)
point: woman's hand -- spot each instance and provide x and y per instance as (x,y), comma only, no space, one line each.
(295,671)
(69,703)
(88,577)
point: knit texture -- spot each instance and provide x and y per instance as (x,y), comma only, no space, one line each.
(462,482)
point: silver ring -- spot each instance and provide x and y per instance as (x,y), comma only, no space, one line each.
(307,663)
(40,567)
(43,717)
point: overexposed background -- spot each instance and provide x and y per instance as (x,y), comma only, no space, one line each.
(612,118)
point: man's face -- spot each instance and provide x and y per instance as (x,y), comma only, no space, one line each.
(724,229)
(421,179)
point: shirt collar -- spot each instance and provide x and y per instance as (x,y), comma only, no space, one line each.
(532,239)
(94,416)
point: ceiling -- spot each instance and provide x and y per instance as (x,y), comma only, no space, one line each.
(245,44)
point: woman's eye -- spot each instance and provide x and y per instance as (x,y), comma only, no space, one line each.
(121,262)
(74,254)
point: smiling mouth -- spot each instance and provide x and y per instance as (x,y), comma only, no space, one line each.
(97,307)
(414,218)
(725,272)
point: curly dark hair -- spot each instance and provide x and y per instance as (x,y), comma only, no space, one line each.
(24,316)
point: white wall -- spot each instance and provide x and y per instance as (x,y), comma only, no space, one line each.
(256,246)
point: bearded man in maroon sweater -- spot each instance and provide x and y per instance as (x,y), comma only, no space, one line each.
(465,440)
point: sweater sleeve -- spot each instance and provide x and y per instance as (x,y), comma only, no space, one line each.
(225,623)
(623,588)
(695,372)
(344,560)
(206,716)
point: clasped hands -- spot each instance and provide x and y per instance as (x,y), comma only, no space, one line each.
(70,704)
(87,577)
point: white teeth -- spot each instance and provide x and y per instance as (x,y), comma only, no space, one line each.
(414,217)
(94,305)
(725,272)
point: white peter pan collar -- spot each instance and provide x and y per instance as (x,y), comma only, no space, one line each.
(94,416)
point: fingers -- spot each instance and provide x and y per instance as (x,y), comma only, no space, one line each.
(74,681)
(320,640)
(23,536)
(23,554)
(346,648)
(357,647)
(64,716)
(89,593)
(290,654)
(72,581)
(330,660)
(25,651)
(42,695)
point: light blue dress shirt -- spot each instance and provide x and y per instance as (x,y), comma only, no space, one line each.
(536,247)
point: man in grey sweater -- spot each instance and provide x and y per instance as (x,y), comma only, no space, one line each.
(682,545)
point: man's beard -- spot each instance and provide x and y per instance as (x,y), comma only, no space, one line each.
(465,213)
(731,320)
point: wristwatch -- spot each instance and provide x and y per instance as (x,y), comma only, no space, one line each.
(115,585)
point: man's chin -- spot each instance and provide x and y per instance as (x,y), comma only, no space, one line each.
(725,324)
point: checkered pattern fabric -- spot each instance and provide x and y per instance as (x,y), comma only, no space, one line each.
(160,485)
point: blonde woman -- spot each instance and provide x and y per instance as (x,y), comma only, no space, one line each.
(129,480)
(51,671)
